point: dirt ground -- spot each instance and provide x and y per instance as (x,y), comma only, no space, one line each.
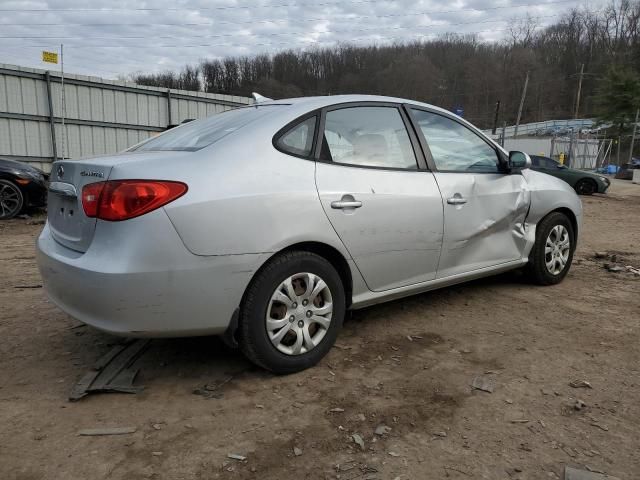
(407,365)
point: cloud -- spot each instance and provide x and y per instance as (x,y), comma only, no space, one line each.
(130,36)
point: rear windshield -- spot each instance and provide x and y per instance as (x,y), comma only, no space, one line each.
(198,134)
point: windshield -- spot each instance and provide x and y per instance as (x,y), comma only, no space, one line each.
(198,134)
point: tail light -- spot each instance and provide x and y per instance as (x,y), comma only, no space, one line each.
(117,200)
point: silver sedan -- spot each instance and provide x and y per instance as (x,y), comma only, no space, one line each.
(267,223)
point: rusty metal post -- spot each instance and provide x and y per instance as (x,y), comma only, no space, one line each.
(52,124)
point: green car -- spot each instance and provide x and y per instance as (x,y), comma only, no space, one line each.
(584,183)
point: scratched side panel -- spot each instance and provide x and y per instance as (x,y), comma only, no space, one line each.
(487,230)
(396,235)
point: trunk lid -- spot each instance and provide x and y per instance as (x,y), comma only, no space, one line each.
(67,221)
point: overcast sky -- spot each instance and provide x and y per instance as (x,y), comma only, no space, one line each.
(110,38)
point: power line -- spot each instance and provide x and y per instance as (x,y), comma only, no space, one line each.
(496,90)
(248,34)
(351,17)
(354,40)
(422,37)
(21,60)
(448,25)
(155,9)
(239,7)
(319,42)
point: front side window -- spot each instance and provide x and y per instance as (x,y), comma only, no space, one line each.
(299,139)
(453,146)
(367,136)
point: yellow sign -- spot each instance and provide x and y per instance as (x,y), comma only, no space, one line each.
(50,57)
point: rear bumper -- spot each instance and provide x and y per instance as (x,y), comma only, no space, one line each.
(137,279)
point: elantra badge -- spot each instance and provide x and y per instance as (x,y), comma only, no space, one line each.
(90,173)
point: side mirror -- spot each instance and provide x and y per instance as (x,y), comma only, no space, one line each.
(561,166)
(518,160)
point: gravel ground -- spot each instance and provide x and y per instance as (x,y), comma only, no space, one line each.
(406,365)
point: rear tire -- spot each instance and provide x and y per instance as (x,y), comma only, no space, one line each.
(552,253)
(11,200)
(292,312)
(586,186)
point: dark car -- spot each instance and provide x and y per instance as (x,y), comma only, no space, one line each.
(626,171)
(584,183)
(21,186)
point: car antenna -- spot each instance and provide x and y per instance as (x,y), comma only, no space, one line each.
(259,98)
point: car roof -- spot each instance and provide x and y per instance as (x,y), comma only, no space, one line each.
(302,105)
(312,103)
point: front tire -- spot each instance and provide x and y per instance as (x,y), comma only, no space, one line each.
(586,186)
(11,200)
(552,253)
(292,312)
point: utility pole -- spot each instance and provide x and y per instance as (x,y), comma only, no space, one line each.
(575,115)
(62,101)
(633,135)
(524,94)
(569,161)
(495,118)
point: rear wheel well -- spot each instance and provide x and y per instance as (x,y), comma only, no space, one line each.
(329,253)
(333,256)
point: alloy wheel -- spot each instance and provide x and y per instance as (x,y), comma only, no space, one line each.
(557,249)
(299,313)
(10,200)
(585,187)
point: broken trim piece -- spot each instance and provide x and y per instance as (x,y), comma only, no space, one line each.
(112,372)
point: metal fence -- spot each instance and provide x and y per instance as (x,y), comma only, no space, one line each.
(536,127)
(582,153)
(101,116)
(532,146)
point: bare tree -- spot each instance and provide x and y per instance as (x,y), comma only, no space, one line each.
(451,70)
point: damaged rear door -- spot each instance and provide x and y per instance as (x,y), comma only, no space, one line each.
(484,209)
(386,211)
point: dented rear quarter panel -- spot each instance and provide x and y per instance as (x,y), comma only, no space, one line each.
(247,197)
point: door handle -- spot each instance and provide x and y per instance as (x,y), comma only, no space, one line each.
(456,200)
(346,204)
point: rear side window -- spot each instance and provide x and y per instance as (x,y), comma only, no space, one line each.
(367,136)
(198,134)
(299,139)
